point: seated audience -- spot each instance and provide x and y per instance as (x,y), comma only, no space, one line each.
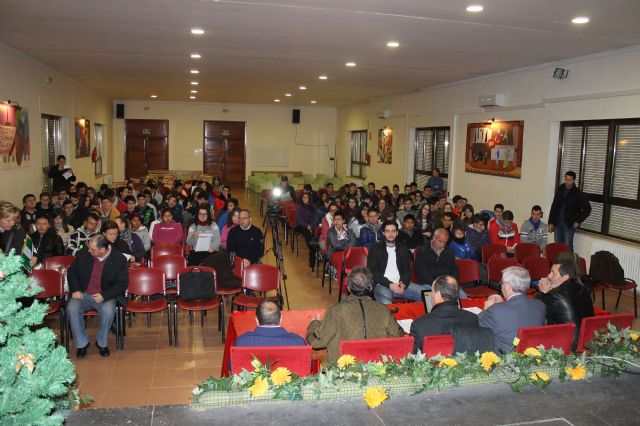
(45,242)
(371,232)
(567,300)
(356,317)
(62,228)
(111,232)
(269,332)
(80,236)
(446,220)
(202,227)
(339,238)
(327,223)
(133,242)
(435,258)
(44,205)
(477,236)
(505,318)
(229,205)
(424,222)
(304,219)
(534,230)
(497,213)
(140,230)
(175,207)
(461,248)
(145,211)
(504,232)
(445,312)
(233,220)
(107,210)
(28,213)
(167,231)
(12,236)
(406,207)
(435,182)
(409,235)
(467,214)
(245,240)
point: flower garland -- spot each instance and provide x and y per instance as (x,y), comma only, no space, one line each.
(611,352)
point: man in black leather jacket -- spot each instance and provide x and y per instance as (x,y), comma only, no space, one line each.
(566,298)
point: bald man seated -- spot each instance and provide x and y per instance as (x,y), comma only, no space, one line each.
(269,332)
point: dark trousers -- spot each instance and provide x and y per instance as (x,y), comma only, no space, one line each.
(308,236)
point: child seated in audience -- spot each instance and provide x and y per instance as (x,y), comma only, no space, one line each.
(45,240)
(459,244)
(534,230)
(504,232)
(167,231)
(140,230)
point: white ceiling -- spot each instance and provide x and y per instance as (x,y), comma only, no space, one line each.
(255,51)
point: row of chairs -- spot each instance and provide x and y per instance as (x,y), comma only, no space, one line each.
(298,359)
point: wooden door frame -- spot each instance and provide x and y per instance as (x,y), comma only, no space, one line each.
(145,147)
(244,151)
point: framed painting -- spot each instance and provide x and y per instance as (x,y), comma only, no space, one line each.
(83,131)
(15,142)
(385,146)
(495,148)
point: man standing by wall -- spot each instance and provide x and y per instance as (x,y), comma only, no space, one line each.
(569,209)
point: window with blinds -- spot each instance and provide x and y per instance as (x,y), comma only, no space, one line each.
(605,155)
(431,151)
(51,143)
(359,153)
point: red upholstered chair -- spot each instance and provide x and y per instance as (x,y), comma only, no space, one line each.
(57,262)
(170,264)
(373,349)
(557,335)
(52,294)
(592,324)
(414,277)
(524,250)
(164,249)
(238,266)
(258,278)
(201,305)
(538,267)
(296,358)
(146,282)
(629,284)
(497,265)
(552,250)
(473,302)
(336,261)
(439,344)
(469,272)
(353,257)
(490,250)
(583,266)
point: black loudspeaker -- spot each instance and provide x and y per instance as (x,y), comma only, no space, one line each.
(119,110)
(295,116)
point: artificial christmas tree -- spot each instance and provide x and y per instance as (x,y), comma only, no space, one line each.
(34,370)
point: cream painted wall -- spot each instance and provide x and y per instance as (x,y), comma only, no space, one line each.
(23,81)
(308,144)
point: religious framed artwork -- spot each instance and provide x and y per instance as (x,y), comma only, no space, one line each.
(385,146)
(83,132)
(495,148)
(97,156)
(15,142)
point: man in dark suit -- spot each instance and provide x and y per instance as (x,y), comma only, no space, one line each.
(269,332)
(435,258)
(444,314)
(519,311)
(97,279)
(569,209)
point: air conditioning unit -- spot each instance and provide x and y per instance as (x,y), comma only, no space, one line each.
(491,101)
(384,114)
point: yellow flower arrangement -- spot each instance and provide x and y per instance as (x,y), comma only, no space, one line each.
(532,352)
(577,373)
(260,387)
(540,375)
(634,336)
(346,360)
(516,341)
(374,396)
(280,376)
(448,362)
(488,360)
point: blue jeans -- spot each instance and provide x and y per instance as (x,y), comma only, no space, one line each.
(75,314)
(564,234)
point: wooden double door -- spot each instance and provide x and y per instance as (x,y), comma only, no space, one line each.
(147,147)
(223,151)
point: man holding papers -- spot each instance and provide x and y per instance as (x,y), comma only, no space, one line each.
(61,175)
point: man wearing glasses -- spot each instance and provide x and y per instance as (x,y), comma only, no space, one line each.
(246,241)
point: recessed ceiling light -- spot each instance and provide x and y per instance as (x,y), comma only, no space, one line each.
(287,94)
(350,64)
(580,20)
(276,100)
(314,102)
(194,91)
(475,8)
(194,83)
(154,96)
(393,44)
(192,97)
(323,77)
(197,31)
(302,87)
(196,56)
(194,72)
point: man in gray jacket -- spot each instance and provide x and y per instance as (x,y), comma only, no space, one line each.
(534,230)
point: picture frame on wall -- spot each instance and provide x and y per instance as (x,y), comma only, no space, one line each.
(495,148)
(83,137)
(385,146)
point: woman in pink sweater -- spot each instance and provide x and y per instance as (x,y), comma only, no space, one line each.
(167,231)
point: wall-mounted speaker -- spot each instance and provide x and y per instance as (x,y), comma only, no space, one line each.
(119,110)
(295,116)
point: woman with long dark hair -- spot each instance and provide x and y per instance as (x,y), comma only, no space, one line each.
(203,226)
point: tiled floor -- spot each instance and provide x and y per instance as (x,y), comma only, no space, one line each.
(150,372)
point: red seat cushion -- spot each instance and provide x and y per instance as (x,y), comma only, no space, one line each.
(146,306)
(54,307)
(479,291)
(198,305)
(228,291)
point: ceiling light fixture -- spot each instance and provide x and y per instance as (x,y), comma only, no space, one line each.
(323,77)
(475,8)
(197,31)
(393,44)
(194,83)
(196,56)
(302,87)
(194,72)
(287,94)
(194,91)
(580,20)
(314,102)
(276,100)
(154,96)
(192,97)
(350,64)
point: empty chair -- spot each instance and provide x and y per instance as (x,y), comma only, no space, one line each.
(489,250)
(557,335)
(258,278)
(497,265)
(629,284)
(469,272)
(52,284)
(592,324)
(373,349)
(170,264)
(163,249)
(538,267)
(57,262)
(353,257)
(440,344)
(295,358)
(524,250)
(552,250)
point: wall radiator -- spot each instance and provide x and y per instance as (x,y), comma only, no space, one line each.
(629,257)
